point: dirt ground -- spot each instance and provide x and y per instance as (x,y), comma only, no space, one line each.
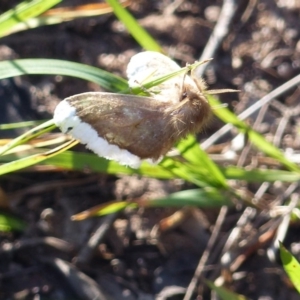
(122,256)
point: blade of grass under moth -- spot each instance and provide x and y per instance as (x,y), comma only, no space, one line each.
(61,67)
(167,169)
(32,133)
(291,266)
(144,39)
(71,160)
(22,12)
(190,150)
(34,159)
(257,139)
(64,14)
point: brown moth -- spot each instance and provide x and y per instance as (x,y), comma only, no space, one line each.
(129,128)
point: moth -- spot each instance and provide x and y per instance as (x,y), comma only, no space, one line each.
(128,128)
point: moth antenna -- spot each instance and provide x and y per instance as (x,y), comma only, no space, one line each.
(199,63)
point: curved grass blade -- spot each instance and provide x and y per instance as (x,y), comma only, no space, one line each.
(201,198)
(20,124)
(205,197)
(185,171)
(138,32)
(34,159)
(22,12)
(61,67)
(30,134)
(64,14)
(201,162)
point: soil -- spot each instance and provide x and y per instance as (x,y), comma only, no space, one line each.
(137,254)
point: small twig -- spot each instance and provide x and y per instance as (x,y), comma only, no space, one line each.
(282,228)
(220,31)
(206,253)
(280,129)
(86,252)
(172,7)
(52,242)
(246,150)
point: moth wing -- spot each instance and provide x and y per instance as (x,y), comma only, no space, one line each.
(134,123)
(148,65)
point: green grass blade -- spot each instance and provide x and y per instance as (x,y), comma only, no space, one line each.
(10,223)
(257,175)
(103,209)
(61,67)
(258,140)
(185,171)
(71,160)
(167,169)
(224,293)
(20,124)
(190,150)
(30,134)
(22,12)
(291,266)
(58,16)
(28,161)
(138,32)
(204,198)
